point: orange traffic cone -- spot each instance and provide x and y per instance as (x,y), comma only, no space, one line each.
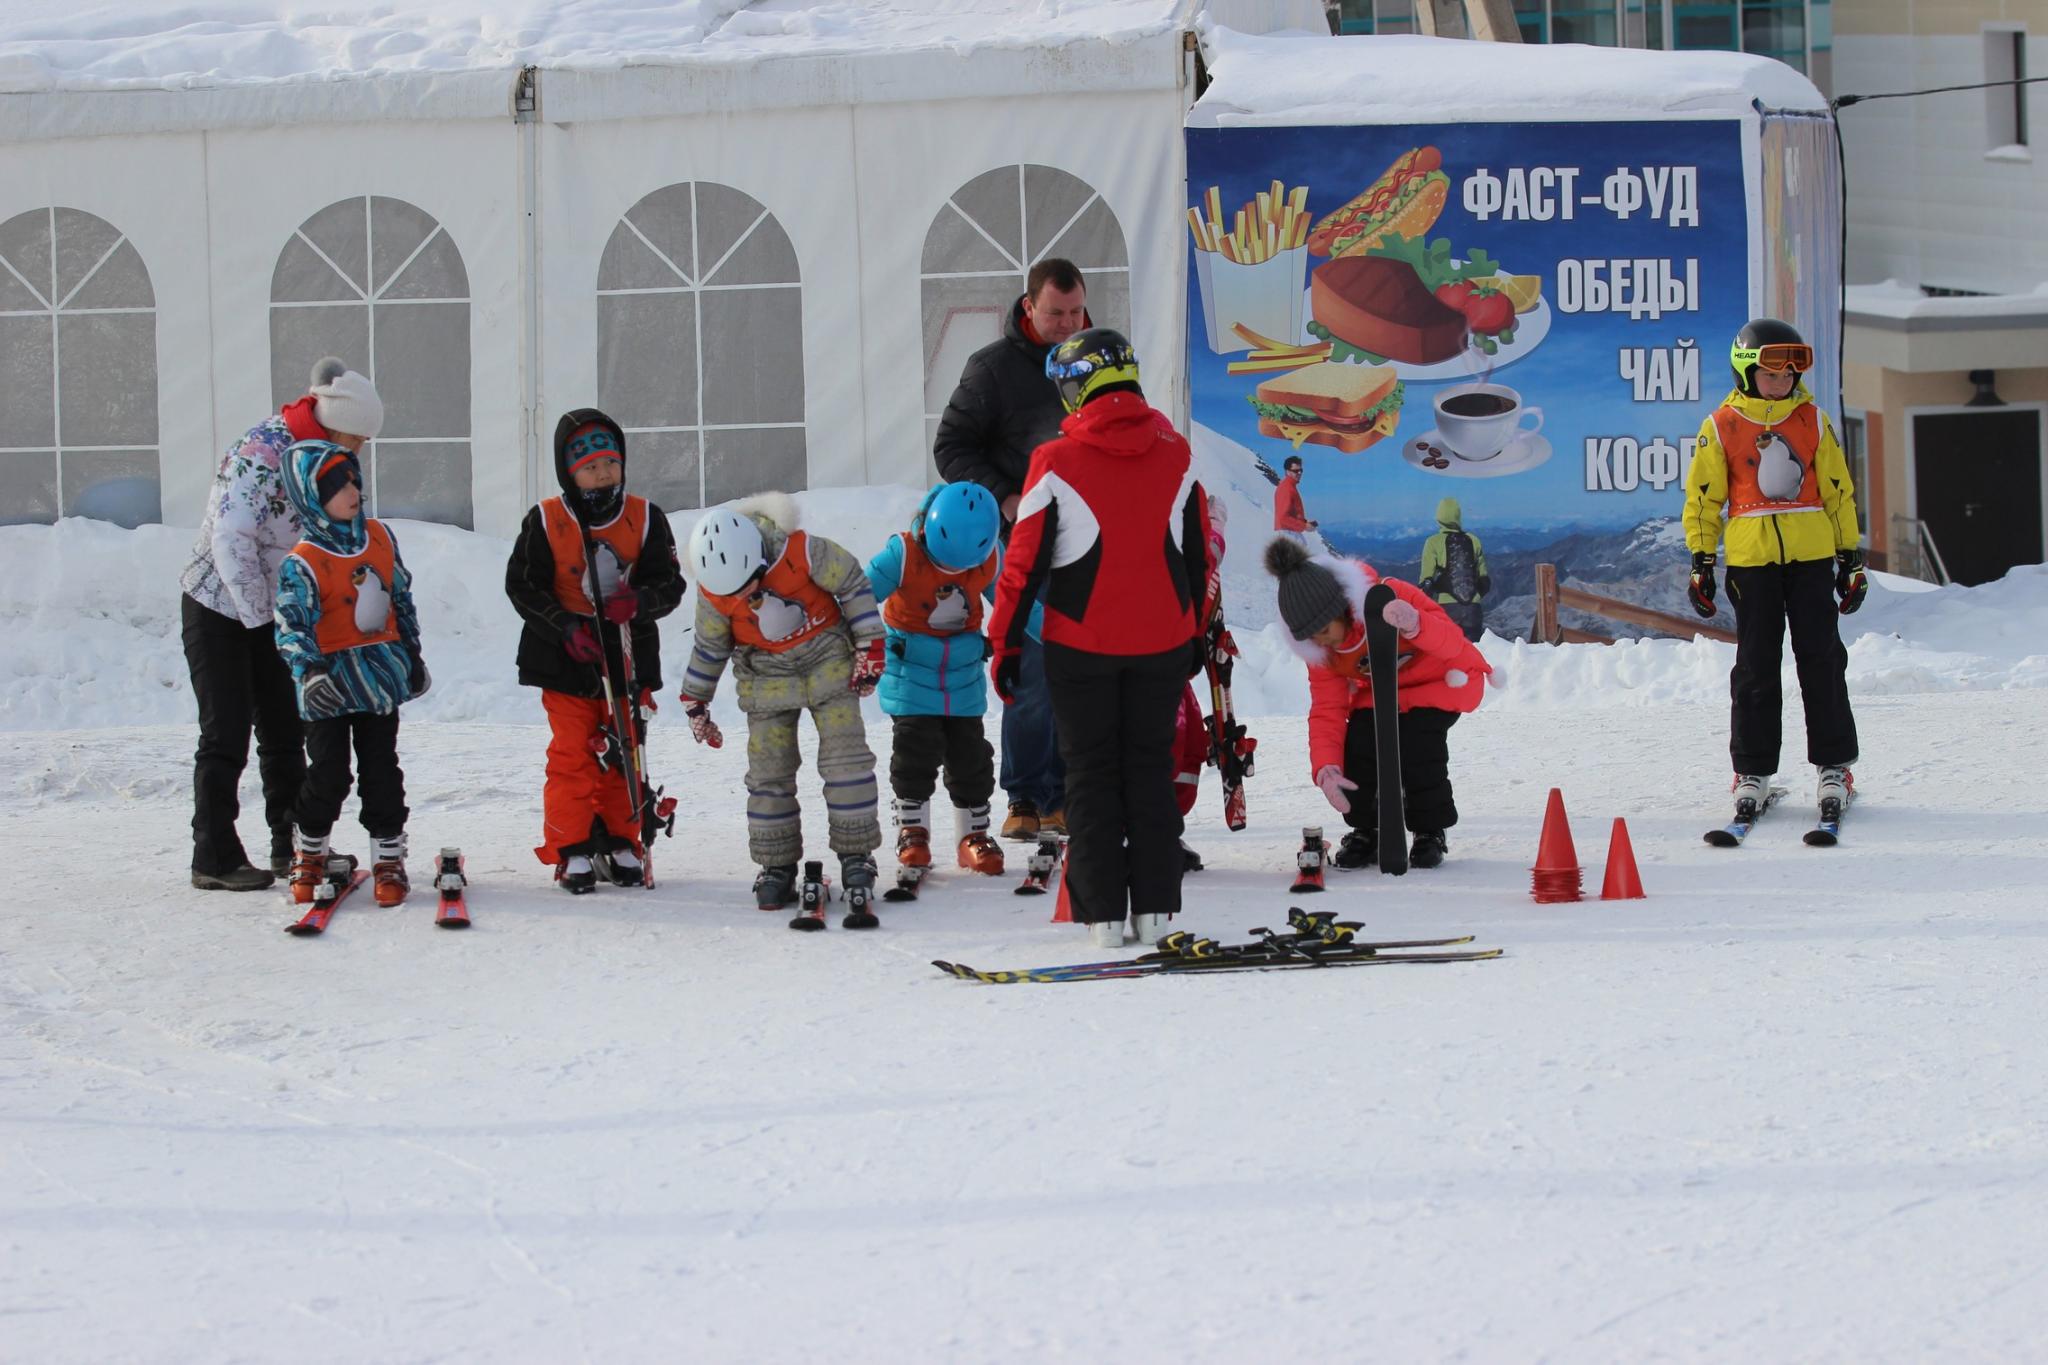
(1623,882)
(1556,874)
(1063,909)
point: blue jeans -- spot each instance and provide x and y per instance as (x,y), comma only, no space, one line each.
(1032,768)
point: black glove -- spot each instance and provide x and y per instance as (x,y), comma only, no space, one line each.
(1008,665)
(1700,588)
(1850,582)
(417,679)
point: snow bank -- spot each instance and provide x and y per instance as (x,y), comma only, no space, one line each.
(90,612)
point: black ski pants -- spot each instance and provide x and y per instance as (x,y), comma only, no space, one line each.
(1426,801)
(922,745)
(1768,598)
(380,780)
(1115,715)
(241,685)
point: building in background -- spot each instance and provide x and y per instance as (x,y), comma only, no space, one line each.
(1797,32)
(1945,380)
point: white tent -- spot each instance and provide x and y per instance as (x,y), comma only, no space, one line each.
(732,225)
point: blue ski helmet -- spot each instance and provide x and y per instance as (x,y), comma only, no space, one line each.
(960,526)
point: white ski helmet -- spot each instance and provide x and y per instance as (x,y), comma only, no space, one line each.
(726,551)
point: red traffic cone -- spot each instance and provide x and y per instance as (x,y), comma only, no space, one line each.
(1623,882)
(1063,909)
(1556,874)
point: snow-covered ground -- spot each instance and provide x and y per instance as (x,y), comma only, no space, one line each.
(1787,1107)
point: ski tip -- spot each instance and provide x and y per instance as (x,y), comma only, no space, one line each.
(1820,838)
(808,924)
(299,930)
(1721,838)
(453,923)
(860,922)
(1027,891)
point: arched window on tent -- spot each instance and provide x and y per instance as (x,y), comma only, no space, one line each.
(700,346)
(78,381)
(379,283)
(982,245)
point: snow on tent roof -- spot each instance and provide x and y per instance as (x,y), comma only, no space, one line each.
(1285,80)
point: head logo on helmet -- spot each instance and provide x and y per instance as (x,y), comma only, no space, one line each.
(1090,362)
(960,526)
(726,551)
(1767,344)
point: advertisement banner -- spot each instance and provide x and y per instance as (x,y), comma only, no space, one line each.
(1490,345)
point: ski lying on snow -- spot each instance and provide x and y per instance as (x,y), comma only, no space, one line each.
(449,880)
(909,881)
(338,888)
(1736,830)
(1206,966)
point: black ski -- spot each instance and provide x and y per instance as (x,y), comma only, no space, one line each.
(1040,867)
(1735,831)
(1202,966)
(1310,861)
(449,880)
(1383,652)
(909,880)
(817,889)
(860,907)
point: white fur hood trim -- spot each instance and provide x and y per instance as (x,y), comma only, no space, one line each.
(1356,577)
(777,509)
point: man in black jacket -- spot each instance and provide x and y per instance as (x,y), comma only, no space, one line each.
(1003,409)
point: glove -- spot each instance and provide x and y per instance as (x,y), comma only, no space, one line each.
(1007,666)
(867,668)
(703,729)
(417,679)
(622,606)
(1850,582)
(320,698)
(1331,779)
(1403,617)
(1701,586)
(581,642)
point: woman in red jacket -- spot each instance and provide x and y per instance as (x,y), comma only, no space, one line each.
(1441,675)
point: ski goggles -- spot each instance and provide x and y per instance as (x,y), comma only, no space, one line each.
(1781,356)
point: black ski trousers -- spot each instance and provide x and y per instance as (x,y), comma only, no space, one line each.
(1115,716)
(1768,598)
(922,745)
(382,782)
(1426,801)
(241,685)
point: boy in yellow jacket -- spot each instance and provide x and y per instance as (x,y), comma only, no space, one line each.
(1768,465)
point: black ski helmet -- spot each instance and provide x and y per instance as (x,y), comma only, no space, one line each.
(1088,362)
(1762,341)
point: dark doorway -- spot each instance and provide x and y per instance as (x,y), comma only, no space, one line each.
(1977,485)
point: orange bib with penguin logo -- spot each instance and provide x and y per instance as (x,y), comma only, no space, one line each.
(930,600)
(617,546)
(781,609)
(1770,468)
(355,592)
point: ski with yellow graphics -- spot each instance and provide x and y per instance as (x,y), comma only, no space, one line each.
(1180,966)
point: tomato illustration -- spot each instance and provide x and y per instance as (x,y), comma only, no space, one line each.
(1490,312)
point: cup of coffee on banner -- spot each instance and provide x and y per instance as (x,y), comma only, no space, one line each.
(1477,421)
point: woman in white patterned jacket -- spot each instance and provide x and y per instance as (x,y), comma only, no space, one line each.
(230,589)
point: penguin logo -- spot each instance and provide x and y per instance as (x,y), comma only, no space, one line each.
(949,612)
(373,600)
(1778,471)
(608,570)
(778,617)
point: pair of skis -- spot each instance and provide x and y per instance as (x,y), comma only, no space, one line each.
(816,893)
(1826,832)
(1314,942)
(343,879)
(622,744)
(1383,662)
(1231,749)
(1039,870)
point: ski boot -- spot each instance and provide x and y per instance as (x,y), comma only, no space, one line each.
(857,889)
(309,866)
(977,852)
(1833,789)
(1749,790)
(1106,933)
(1149,928)
(1428,849)
(1360,849)
(913,832)
(389,870)
(775,887)
(621,866)
(577,874)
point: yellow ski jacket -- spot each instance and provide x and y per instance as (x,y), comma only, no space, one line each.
(1777,537)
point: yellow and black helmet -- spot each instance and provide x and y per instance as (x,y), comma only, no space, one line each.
(1088,362)
(1767,344)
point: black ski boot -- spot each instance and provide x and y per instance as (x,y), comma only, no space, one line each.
(578,876)
(1360,849)
(857,889)
(621,866)
(1428,849)
(775,887)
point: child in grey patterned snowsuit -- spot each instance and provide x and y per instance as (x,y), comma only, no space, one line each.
(802,634)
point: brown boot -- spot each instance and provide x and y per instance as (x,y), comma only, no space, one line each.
(389,871)
(1054,822)
(1022,822)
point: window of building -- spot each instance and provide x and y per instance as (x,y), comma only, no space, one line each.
(2005,106)
(983,243)
(379,283)
(1856,451)
(78,381)
(700,346)
(1376,16)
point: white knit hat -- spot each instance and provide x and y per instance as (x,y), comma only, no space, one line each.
(345,401)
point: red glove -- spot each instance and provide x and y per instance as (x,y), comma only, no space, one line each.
(581,643)
(703,729)
(867,668)
(622,606)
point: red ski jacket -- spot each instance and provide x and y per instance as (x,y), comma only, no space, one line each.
(1113,525)
(1288,513)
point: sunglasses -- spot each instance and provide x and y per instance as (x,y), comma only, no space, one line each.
(1782,356)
